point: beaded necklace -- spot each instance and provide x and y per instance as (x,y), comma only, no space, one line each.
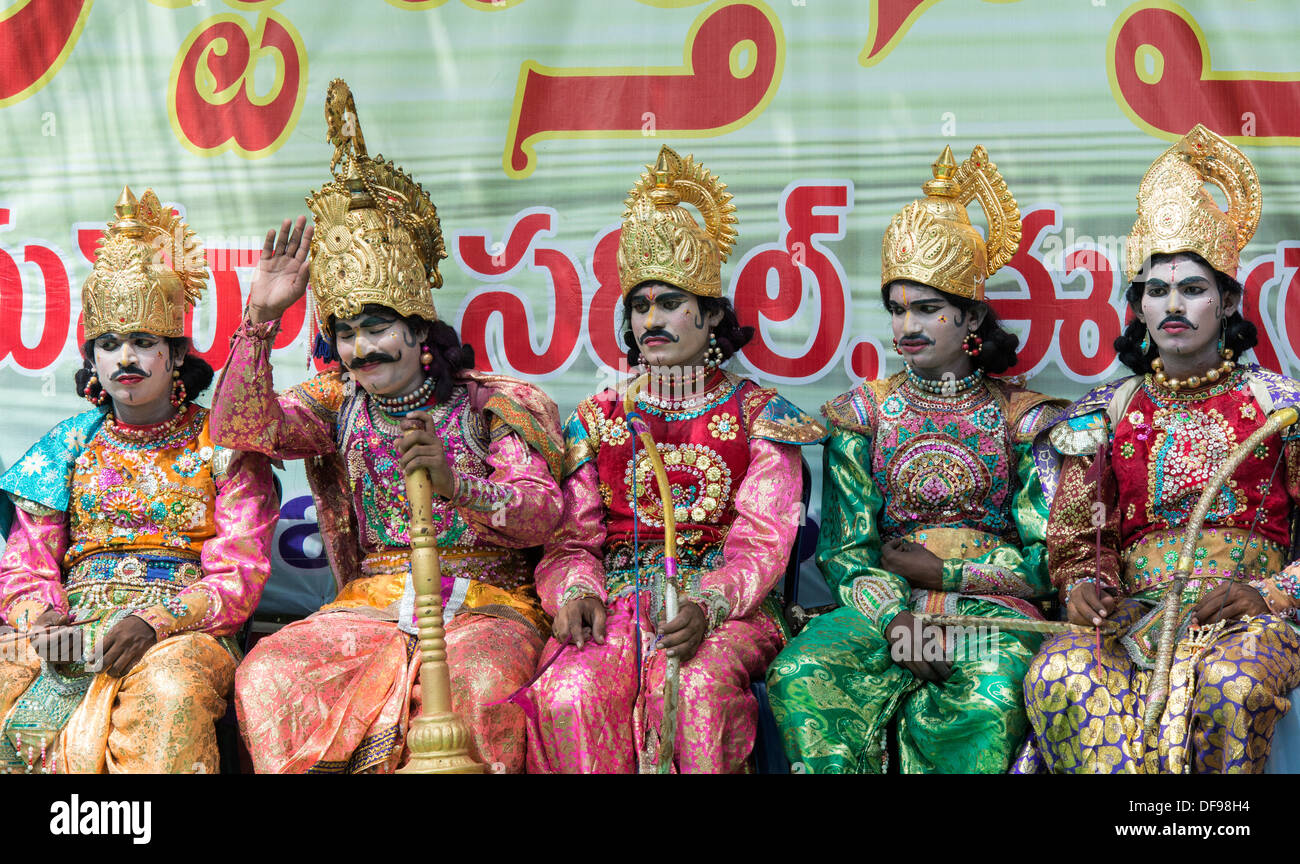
(159,436)
(944,386)
(420,396)
(389,423)
(1163,395)
(688,409)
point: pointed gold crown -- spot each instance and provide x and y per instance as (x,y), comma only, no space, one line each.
(148,267)
(377,235)
(661,241)
(932,241)
(1177,214)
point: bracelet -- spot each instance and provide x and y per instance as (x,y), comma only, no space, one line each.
(577,592)
(1069,592)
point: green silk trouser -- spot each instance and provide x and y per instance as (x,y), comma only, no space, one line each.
(835,688)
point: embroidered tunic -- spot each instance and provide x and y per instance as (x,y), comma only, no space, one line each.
(502,440)
(732,463)
(503,458)
(1136,458)
(175,531)
(959,474)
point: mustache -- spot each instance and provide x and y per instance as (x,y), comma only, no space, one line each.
(1178,319)
(376,357)
(131,370)
(657,334)
(917,337)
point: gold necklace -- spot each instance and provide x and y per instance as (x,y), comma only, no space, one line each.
(1191,383)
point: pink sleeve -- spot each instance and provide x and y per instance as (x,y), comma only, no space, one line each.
(248,415)
(236,562)
(519,504)
(31,577)
(573,565)
(758,545)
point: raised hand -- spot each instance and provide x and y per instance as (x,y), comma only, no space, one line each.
(282,271)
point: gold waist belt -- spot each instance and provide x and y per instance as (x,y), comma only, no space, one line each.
(1219,554)
(953,542)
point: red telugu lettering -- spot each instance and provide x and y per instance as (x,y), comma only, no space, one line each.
(708,95)
(211,97)
(798,251)
(58,306)
(1180,89)
(516,343)
(35,39)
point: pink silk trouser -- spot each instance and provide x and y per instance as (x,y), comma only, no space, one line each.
(333,693)
(591,720)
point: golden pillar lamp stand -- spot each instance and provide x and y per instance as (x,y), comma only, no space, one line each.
(438,739)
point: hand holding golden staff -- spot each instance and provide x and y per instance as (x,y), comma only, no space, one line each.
(438,739)
(1159,695)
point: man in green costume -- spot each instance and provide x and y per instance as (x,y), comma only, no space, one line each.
(932,503)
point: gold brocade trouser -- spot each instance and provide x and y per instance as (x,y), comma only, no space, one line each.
(157,719)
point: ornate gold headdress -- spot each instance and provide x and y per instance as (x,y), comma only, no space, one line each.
(932,241)
(662,241)
(148,267)
(1177,214)
(377,236)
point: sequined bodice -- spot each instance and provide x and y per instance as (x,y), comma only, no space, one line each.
(1167,446)
(943,460)
(705,449)
(133,496)
(367,441)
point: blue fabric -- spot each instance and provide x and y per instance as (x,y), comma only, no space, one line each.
(44,474)
(1284,755)
(574,432)
(780,410)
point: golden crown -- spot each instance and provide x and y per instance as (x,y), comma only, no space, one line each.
(377,235)
(661,241)
(932,241)
(1177,214)
(148,267)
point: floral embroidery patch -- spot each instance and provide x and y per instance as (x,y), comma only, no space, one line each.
(613,432)
(188,463)
(723,427)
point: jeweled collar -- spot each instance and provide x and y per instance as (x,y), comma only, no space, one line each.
(390,424)
(1161,394)
(157,436)
(716,389)
(944,386)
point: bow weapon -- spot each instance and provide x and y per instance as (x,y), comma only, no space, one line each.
(672,675)
(1159,694)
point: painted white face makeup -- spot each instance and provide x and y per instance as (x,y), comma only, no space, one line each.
(380,351)
(135,369)
(1184,313)
(929,329)
(668,326)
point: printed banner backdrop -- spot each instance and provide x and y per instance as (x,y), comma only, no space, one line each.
(528,120)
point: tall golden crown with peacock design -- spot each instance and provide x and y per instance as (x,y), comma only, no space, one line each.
(149,268)
(661,241)
(932,241)
(377,236)
(1177,214)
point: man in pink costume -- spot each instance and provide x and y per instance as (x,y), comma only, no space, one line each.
(139,547)
(333,693)
(731,452)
